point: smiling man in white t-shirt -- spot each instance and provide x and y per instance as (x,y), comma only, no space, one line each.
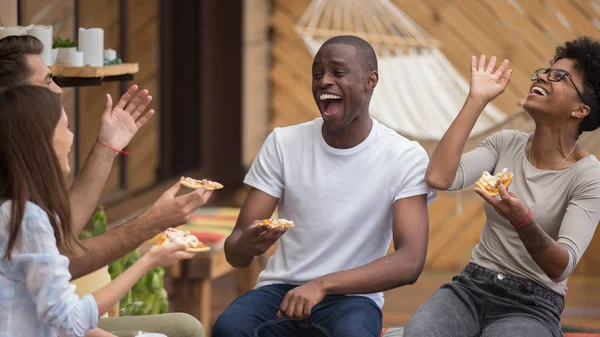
(351,185)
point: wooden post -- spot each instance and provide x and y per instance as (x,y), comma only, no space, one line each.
(8,13)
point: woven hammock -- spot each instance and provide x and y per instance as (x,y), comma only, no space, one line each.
(419,91)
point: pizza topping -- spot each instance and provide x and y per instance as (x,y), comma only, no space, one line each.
(279,222)
(173,235)
(194,183)
(491,183)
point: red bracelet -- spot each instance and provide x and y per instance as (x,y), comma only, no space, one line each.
(527,220)
(112,148)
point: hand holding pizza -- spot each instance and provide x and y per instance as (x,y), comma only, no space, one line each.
(166,255)
(118,125)
(259,237)
(171,210)
(298,302)
(509,206)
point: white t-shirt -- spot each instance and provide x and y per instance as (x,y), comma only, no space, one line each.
(341,200)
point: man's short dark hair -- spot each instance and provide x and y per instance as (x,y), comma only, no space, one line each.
(366,55)
(14,69)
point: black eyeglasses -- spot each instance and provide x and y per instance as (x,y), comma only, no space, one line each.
(556,75)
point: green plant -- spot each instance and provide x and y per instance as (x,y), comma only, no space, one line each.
(60,43)
(148,296)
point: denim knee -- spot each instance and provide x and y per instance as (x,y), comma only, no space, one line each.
(229,324)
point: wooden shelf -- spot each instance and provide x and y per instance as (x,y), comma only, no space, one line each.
(67,76)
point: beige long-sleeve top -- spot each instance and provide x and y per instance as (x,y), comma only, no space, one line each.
(565,203)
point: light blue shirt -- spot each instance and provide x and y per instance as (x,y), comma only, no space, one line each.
(36,298)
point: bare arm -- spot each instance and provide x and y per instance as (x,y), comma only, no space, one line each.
(117,128)
(485,86)
(548,254)
(104,249)
(258,205)
(107,296)
(88,185)
(410,227)
(402,267)
(167,211)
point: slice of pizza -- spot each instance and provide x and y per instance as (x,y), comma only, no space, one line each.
(174,235)
(491,183)
(195,184)
(276,223)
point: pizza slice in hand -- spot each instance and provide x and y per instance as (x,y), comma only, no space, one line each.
(196,184)
(276,223)
(491,183)
(174,235)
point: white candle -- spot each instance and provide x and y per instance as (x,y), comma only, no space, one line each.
(76,58)
(9,31)
(91,43)
(110,54)
(44,34)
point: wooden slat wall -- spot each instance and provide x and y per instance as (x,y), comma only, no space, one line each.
(526,32)
(256,84)
(98,14)
(142,47)
(58,14)
(8,13)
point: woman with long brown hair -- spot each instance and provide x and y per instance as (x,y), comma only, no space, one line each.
(534,235)
(36,298)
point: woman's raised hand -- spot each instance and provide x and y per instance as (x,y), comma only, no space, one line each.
(487,84)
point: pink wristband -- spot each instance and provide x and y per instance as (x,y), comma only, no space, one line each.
(527,220)
(112,148)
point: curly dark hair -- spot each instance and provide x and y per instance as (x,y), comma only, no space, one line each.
(586,53)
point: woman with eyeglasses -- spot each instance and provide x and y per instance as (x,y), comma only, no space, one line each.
(538,228)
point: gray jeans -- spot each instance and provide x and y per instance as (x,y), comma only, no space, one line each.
(481,302)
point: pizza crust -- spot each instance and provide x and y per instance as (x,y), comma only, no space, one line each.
(196,184)
(276,223)
(491,184)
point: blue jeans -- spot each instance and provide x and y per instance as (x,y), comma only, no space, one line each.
(254,314)
(482,302)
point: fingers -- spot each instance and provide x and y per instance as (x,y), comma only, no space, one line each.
(284,305)
(307,310)
(473,63)
(503,192)
(491,65)
(126,97)
(481,63)
(108,104)
(184,255)
(502,68)
(197,198)
(142,121)
(485,195)
(272,236)
(137,106)
(173,190)
(298,310)
(174,247)
(505,77)
(258,228)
